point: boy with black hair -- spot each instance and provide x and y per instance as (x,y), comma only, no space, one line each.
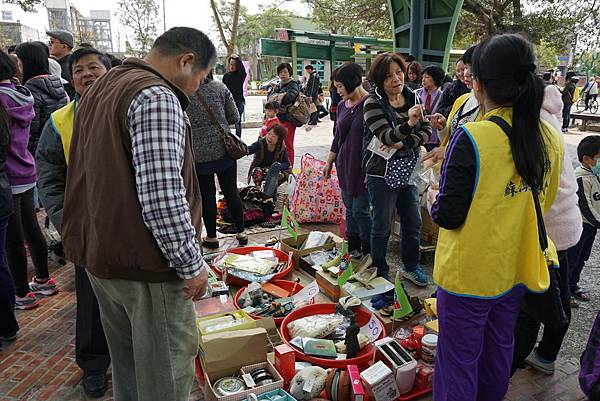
(588,180)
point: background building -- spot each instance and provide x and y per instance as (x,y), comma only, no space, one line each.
(95,29)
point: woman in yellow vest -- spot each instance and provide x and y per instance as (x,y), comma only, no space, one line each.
(488,253)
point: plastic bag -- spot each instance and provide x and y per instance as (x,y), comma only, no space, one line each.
(316,326)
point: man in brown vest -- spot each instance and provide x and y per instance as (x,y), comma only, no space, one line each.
(132,214)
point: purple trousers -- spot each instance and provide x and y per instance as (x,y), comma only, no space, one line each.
(475,346)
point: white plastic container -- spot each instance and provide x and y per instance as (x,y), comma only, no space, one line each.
(428,351)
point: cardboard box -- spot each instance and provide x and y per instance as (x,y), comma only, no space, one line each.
(285,363)
(224,354)
(429,230)
(380,382)
(213,306)
(358,391)
(291,245)
(328,285)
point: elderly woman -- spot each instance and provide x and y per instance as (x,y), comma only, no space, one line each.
(290,88)
(346,152)
(211,156)
(395,129)
(430,96)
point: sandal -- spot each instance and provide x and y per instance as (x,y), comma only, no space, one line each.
(581,295)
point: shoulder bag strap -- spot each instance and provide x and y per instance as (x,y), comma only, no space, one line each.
(211,114)
(543,238)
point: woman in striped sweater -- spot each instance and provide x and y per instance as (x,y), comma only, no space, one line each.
(393,124)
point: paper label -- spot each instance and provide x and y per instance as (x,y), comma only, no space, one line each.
(307,293)
(308,384)
(372,329)
(248,380)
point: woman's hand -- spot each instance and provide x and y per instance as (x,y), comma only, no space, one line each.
(437,121)
(415,113)
(327,170)
(435,155)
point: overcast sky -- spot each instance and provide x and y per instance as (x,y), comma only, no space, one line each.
(193,13)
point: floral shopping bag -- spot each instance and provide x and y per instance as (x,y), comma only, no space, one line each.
(317,200)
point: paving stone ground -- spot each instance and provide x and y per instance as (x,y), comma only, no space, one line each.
(40,365)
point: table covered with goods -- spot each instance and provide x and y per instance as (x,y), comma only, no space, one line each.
(300,320)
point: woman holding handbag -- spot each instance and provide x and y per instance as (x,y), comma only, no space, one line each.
(211,111)
(289,86)
(394,131)
(499,175)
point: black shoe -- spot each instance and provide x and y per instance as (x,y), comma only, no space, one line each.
(95,385)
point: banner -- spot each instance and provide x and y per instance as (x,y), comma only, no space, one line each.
(402,307)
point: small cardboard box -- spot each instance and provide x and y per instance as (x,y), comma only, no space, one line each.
(429,230)
(285,363)
(291,245)
(358,391)
(380,382)
(328,285)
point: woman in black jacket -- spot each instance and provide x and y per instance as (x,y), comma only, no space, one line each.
(290,87)
(48,92)
(8,323)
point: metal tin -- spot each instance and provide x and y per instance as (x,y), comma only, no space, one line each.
(229,385)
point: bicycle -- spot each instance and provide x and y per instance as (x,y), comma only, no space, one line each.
(592,104)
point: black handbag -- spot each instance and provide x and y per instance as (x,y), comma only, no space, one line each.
(546,307)
(234,146)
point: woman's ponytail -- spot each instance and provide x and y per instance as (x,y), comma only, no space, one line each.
(505,67)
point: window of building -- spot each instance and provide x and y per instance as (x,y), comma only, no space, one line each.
(319,67)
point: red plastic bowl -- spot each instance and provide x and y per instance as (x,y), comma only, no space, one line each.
(285,284)
(281,256)
(363,315)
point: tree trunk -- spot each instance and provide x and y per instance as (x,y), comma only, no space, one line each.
(234,28)
(213,5)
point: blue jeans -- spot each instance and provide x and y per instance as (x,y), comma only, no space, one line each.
(272,180)
(384,201)
(358,216)
(238,125)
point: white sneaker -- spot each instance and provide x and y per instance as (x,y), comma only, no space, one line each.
(539,363)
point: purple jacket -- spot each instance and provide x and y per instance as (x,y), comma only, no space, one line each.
(18,102)
(436,97)
(347,144)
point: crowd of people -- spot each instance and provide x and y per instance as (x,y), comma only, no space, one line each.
(132,230)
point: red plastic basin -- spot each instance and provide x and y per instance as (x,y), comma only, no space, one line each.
(281,256)
(285,284)
(363,315)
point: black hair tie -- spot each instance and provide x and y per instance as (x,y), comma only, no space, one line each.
(520,74)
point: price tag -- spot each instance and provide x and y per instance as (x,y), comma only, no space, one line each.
(372,329)
(307,293)
(309,383)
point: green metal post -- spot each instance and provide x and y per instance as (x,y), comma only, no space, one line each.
(451,32)
(294,57)
(332,61)
(417,17)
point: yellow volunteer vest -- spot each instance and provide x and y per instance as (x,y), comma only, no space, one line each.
(62,121)
(497,247)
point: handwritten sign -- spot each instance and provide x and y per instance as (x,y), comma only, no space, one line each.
(372,329)
(307,293)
